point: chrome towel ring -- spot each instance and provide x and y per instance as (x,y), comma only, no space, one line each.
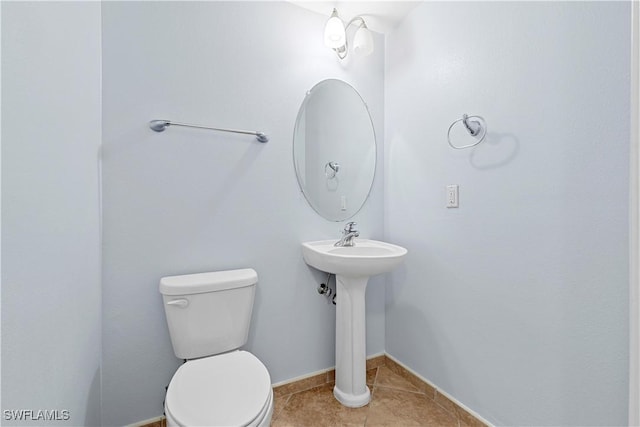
(476,128)
(331,169)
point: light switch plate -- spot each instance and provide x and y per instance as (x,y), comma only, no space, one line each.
(452,196)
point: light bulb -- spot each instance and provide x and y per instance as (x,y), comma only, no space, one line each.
(363,41)
(334,32)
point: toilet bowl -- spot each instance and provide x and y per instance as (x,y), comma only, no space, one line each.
(208,315)
(231,389)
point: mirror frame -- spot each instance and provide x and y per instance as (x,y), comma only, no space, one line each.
(301,111)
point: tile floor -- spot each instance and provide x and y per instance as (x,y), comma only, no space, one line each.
(394,402)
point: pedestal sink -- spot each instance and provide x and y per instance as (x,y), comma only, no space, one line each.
(352,266)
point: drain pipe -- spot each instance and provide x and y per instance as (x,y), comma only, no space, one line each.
(325,289)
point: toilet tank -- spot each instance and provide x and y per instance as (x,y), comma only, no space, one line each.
(208,313)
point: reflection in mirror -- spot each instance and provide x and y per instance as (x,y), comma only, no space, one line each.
(334,150)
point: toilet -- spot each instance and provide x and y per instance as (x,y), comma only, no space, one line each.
(208,315)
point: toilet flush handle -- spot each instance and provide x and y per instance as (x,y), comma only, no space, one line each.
(182,303)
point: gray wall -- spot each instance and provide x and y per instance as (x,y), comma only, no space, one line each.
(190,201)
(50,209)
(515,303)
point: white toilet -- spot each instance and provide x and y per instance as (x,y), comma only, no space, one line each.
(208,316)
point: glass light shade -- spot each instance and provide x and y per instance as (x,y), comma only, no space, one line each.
(334,32)
(363,41)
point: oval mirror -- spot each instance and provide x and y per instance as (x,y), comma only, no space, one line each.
(334,150)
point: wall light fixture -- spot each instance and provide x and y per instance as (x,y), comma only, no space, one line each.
(335,36)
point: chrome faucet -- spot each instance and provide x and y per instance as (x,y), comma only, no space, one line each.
(348,235)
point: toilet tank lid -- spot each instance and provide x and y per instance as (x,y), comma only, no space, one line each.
(207,282)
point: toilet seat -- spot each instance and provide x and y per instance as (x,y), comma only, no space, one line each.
(231,389)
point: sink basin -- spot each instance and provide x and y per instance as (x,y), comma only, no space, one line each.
(366,258)
(352,266)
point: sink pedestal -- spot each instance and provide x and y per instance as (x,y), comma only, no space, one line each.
(351,351)
(352,265)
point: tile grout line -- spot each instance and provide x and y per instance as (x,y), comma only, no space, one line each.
(373,390)
(275,416)
(410,391)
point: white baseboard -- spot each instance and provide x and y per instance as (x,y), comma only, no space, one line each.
(313,374)
(302,377)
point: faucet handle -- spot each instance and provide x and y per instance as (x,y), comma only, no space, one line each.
(350,227)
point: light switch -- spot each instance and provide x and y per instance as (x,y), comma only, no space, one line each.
(452,196)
